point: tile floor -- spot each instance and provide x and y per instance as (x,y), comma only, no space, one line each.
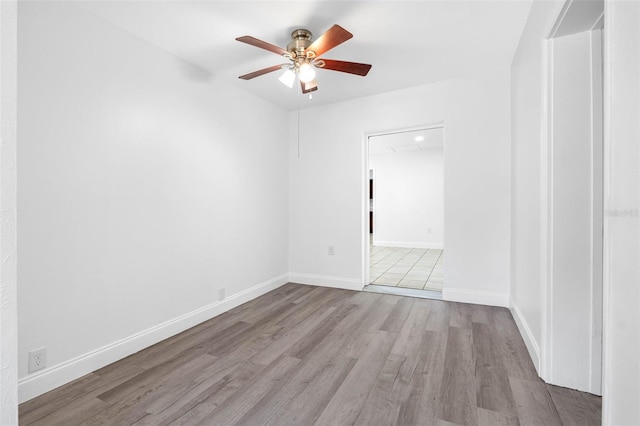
(407,267)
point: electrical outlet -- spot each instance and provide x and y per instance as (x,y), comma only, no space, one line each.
(332,250)
(222,293)
(37,359)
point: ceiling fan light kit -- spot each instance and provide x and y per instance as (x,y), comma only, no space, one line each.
(288,78)
(306,73)
(303,56)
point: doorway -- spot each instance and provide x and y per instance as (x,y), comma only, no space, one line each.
(405,198)
(573,170)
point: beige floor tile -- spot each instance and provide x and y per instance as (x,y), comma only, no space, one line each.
(411,284)
(391,274)
(406,267)
(421,269)
(386,281)
(373,277)
(428,263)
(396,270)
(433,286)
(423,276)
(432,256)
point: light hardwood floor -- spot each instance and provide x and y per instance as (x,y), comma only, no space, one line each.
(303,355)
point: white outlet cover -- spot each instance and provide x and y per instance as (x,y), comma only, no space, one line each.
(37,359)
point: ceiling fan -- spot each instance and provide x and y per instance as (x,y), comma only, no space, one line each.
(303,57)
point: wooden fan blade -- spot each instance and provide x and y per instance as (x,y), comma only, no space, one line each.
(311,86)
(344,66)
(262,44)
(261,72)
(334,36)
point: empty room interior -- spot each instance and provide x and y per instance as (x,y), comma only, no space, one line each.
(237,212)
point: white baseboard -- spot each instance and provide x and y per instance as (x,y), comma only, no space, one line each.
(480,297)
(50,378)
(326,281)
(527,336)
(408,244)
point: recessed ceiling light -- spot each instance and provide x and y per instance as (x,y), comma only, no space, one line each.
(419,138)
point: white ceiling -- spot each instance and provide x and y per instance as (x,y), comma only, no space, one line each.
(406,141)
(408,43)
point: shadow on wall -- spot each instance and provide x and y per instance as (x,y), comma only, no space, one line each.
(193,73)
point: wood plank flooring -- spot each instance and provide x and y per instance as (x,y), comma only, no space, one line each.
(303,355)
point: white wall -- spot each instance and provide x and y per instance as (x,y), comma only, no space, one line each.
(528,185)
(328,180)
(142,191)
(8,281)
(621,386)
(408,198)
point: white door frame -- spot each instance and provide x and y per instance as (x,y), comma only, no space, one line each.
(546,214)
(364,226)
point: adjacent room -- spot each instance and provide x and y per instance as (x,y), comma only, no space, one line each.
(320,212)
(406,220)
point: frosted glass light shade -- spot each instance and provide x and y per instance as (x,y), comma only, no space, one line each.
(288,78)
(306,73)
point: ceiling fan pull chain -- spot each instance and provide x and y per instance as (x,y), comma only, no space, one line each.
(298,98)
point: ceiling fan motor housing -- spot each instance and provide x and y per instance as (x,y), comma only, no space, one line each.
(301,39)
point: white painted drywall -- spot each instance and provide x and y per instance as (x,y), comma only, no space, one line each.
(571,209)
(621,384)
(145,185)
(8,280)
(329,178)
(408,198)
(528,179)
